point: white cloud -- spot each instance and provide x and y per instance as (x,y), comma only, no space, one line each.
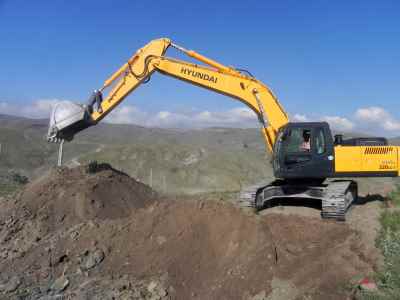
(299,118)
(239,115)
(391,125)
(169,119)
(335,122)
(125,115)
(128,114)
(372,113)
(236,117)
(339,123)
(373,120)
(37,109)
(375,116)
(243,113)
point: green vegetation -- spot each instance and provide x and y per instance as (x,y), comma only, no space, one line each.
(388,241)
(7,189)
(394,196)
(11,183)
(19,179)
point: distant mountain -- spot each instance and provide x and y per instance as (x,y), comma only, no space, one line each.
(395,141)
(23,147)
(7,117)
(171,160)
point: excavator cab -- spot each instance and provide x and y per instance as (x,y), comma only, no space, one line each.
(304,150)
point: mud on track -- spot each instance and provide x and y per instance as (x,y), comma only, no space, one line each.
(111,236)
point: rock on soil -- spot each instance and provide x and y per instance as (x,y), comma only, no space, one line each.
(108,236)
(11,285)
(94,258)
(59,285)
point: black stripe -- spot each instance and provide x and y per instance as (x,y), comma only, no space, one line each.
(366,174)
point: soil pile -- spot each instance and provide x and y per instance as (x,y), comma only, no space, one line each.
(83,194)
(103,235)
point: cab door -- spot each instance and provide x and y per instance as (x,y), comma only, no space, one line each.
(323,152)
(306,151)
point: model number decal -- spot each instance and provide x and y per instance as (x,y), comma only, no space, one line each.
(387,164)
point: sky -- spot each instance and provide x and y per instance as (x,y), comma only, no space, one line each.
(337,61)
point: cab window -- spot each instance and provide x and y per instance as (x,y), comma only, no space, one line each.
(298,140)
(320,142)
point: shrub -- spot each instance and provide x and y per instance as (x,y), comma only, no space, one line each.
(94,167)
(20,179)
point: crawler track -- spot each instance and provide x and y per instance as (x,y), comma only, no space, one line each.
(336,196)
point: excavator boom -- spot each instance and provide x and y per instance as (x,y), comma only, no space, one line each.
(211,75)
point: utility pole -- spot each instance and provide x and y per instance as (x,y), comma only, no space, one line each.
(151,178)
(164,184)
(60,154)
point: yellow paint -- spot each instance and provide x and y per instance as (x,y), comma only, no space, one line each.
(366,159)
(124,81)
(212,63)
(215,77)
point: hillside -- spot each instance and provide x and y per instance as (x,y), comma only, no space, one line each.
(170,160)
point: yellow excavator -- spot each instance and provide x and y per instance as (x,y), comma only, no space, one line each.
(308,162)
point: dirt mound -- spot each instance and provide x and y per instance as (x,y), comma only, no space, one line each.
(102,193)
(105,235)
(215,251)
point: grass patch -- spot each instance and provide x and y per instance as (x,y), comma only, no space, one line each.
(394,196)
(11,183)
(7,189)
(390,222)
(388,241)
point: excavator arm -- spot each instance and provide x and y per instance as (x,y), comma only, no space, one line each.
(211,75)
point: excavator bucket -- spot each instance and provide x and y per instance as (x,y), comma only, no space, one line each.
(67,119)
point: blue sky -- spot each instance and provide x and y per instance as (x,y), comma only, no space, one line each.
(321,58)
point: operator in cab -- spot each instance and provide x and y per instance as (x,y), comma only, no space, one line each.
(305,145)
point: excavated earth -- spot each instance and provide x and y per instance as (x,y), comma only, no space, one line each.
(75,234)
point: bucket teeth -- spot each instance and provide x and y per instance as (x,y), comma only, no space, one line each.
(54,140)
